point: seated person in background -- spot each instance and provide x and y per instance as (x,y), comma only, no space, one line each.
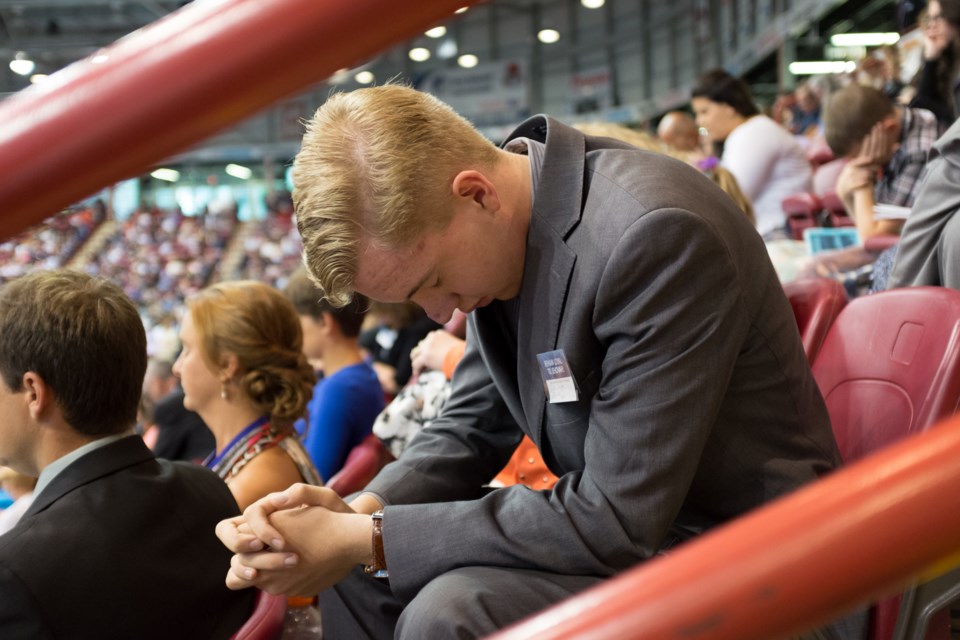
(680,132)
(116,544)
(19,487)
(579,259)
(886,147)
(707,165)
(181,433)
(766,160)
(243,370)
(347,399)
(398,328)
(441,351)
(929,250)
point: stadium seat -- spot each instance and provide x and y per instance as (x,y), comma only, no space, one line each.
(836,212)
(266,621)
(364,462)
(890,367)
(801,210)
(816,304)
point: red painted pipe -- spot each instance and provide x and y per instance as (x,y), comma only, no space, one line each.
(176,82)
(859,533)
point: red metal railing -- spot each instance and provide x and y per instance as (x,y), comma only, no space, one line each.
(176,82)
(862,532)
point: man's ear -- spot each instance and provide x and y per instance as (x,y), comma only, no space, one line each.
(476,187)
(37,394)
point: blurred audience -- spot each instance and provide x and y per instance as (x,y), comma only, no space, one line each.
(938,83)
(50,244)
(19,487)
(243,370)
(680,132)
(766,161)
(181,433)
(348,397)
(396,329)
(73,353)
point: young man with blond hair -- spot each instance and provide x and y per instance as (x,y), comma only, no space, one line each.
(625,316)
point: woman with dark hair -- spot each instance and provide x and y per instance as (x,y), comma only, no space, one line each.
(243,370)
(938,83)
(766,161)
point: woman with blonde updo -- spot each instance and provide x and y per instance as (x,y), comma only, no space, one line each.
(243,370)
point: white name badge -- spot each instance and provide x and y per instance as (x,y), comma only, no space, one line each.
(558,381)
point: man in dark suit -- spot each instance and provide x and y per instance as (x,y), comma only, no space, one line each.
(116,544)
(625,316)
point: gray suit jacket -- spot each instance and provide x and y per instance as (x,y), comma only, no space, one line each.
(929,249)
(696,401)
(121,545)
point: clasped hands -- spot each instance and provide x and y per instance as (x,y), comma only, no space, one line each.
(296,542)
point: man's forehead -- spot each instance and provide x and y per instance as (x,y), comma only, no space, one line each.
(388,275)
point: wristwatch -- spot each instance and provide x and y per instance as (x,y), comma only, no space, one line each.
(379,567)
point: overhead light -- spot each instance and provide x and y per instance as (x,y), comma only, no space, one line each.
(864,39)
(38,78)
(169,175)
(447,49)
(548,36)
(22,65)
(468,61)
(821,67)
(437,32)
(239,171)
(419,54)
(364,77)
(592,4)
(462,10)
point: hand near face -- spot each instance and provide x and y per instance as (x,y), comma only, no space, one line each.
(297,542)
(879,145)
(857,174)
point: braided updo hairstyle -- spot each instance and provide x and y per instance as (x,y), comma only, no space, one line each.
(258,325)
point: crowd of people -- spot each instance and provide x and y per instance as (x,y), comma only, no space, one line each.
(575,344)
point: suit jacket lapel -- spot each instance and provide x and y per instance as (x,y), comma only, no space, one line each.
(549,262)
(96,464)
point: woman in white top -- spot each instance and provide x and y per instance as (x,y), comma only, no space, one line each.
(765,159)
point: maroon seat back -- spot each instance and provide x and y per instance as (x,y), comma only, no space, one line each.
(266,621)
(816,304)
(890,367)
(801,210)
(364,462)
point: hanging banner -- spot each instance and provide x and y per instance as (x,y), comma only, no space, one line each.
(489,94)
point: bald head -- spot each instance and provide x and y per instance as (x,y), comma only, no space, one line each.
(678,130)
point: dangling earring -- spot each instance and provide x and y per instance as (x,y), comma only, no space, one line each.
(223,390)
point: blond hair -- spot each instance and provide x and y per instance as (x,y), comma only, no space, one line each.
(254,322)
(640,139)
(376,165)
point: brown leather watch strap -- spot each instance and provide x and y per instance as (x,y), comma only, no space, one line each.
(379,567)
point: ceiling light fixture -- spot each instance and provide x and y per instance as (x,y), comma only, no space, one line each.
(239,171)
(462,10)
(364,77)
(22,65)
(447,49)
(419,54)
(548,36)
(592,4)
(468,61)
(864,39)
(168,175)
(437,32)
(818,67)
(37,78)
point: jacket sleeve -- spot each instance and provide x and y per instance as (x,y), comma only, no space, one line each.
(670,316)
(20,617)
